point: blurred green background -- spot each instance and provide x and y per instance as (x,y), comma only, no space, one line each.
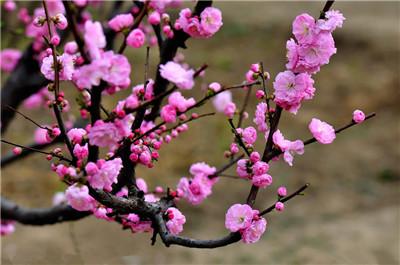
(350,214)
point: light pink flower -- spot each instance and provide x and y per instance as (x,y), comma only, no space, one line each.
(176,221)
(261,181)
(202,168)
(7,227)
(322,131)
(196,189)
(254,232)
(136,38)
(249,135)
(176,74)
(76,135)
(238,217)
(304,28)
(179,102)
(94,38)
(66,67)
(358,116)
(214,86)
(141,184)
(211,21)
(230,110)
(221,100)
(78,197)
(260,118)
(260,168)
(119,69)
(121,22)
(81,152)
(333,19)
(59,198)
(289,148)
(168,114)
(154,18)
(104,134)
(106,175)
(9,59)
(40,136)
(91,74)
(60,21)
(290,90)
(242,169)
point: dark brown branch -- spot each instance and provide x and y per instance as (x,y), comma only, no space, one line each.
(39,216)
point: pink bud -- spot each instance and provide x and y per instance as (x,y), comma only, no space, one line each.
(260,94)
(215,86)
(234,148)
(60,21)
(136,38)
(55,40)
(254,157)
(282,191)
(358,116)
(279,206)
(17,150)
(9,5)
(134,157)
(154,18)
(159,189)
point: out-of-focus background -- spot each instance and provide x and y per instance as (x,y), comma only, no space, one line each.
(350,214)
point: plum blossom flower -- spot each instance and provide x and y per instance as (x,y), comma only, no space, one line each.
(7,227)
(104,173)
(282,191)
(254,232)
(303,28)
(289,148)
(81,152)
(121,22)
(136,38)
(358,116)
(290,90)
(65,67)
(118,69)
(60,21)
(211,21)
(75,135)
(176,221)
(279,206)
(262,180)
(168,113)
(78,197)
(333,19)
(249,135)
(40,136)
(179,102)
(260,118)
(238,217)
(230,110)
(94,38)
(176,74)
(104,134)
(222,100)
(322,131)
(9,59)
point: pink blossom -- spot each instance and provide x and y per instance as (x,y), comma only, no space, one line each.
(66,67)
(249,135)
(214,86)
(197,189)
(94,38)
(119,69)
(141,184)
(221,100)
(255,157)
(202,168)
(290,90)
(60,21)
(322,131)
(9,5)
(333,19)
(168,113)
(303,28)
(282,191)
(230,110)
(176,74)
(81,152)
(76,135)
(121,22)
(254,232)
(260,94)
(7,227)
(71,47)
(17,150)
(358,116)
(179,102)
(242,169)
(260,168)
(104,134)
(289,148)
(238,217)
(78,197)
(176,221)
(40,136)
(279,206)
(260,118)
(154,18)
(262,180)
(91,74)
(9,59)
(136,38)
(211,21)
(106,175)
(59,198)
